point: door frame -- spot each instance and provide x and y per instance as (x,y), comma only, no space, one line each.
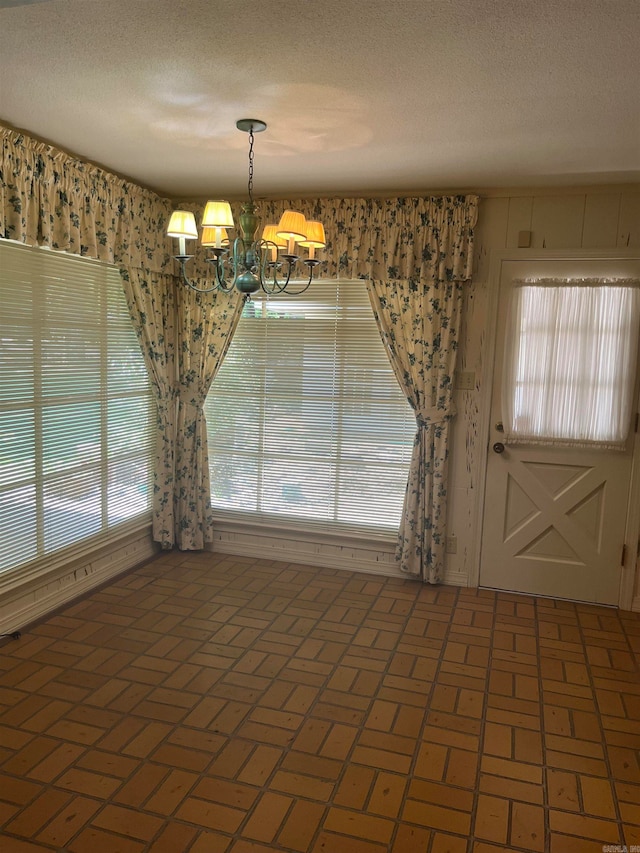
(631,566)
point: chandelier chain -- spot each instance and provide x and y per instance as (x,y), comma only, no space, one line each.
(250,184)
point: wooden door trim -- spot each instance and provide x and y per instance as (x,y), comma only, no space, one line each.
(497,258)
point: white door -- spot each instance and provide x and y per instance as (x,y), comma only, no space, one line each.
(554,518)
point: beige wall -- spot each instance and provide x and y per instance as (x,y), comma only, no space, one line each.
(606,218)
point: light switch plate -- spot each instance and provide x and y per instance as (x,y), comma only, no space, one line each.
(524,239)
(465,380)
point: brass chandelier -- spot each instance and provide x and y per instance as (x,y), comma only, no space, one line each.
(249,263)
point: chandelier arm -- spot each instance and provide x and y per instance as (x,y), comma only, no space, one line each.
(303,289)
(272,286)
(266,268)
(280,285)
(269,268)
(219,285)
(275,286)
(238,259)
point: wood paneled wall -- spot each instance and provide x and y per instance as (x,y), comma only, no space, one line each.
(597,218)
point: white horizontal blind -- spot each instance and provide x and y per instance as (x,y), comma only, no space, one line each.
(76,410)
(305,418)
(570,362)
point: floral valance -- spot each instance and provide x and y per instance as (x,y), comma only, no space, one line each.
(382,238)
(391,238)
(48,197)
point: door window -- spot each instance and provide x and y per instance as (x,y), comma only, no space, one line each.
(570,362)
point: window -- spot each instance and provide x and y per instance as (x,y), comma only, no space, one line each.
(76,410)
(305,417)
(570,363)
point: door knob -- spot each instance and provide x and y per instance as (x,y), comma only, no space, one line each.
(498,447)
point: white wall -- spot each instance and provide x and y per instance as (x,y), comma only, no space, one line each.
(597,218)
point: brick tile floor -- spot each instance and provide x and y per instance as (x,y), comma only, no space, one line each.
(216,704)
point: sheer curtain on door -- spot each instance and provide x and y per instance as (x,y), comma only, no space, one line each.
(570,362)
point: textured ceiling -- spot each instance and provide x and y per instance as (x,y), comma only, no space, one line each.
(360,96)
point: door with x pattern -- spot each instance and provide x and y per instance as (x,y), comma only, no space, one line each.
(555,517)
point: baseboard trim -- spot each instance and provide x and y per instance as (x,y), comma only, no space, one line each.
(456,579)
(290,555)
(635,604)
(25,604)
(312,549)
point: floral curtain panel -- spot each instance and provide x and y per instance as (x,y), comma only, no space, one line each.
(151,299)
(206,324)
(419,323)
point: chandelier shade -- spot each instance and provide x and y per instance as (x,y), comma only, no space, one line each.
(182,224)
(249,262)
(217,214)
(213,237)
(292,226)
(315,237)
(270,234)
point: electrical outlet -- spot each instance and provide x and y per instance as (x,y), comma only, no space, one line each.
(451,546)
(465,380)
